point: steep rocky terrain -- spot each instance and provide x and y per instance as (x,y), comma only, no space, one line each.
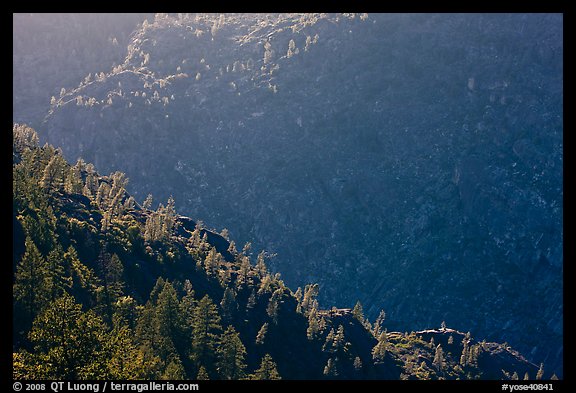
(104,288)
(411,161)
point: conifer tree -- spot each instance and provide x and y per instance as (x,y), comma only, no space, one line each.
(228,305)
(267,370)
(54,173)
(202,374)
(73,183)
(540,372)
(31,285)
(231,354)
(330,370)
(327,347)
(58,282)
(261,265)
(464,356)
(261,336)
(205,330)
(358,312)
(69,342)
(379,350)
(147,204)
(439,361)
(313,328)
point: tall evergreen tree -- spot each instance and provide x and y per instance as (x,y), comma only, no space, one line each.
(267,370)
(540,373)
(261,336)
(231,354)
(69,342)
(379,350)
(205,329)
(439,360)
(228,305)
(377,328)
(58,281)
(31,285)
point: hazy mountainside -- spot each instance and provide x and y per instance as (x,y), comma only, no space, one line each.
(105,288)
(52,51)
(390,158)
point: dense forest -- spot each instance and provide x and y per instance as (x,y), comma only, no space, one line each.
(106,287)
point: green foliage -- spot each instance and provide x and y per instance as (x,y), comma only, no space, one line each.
(231,354)
(23,137)
(313,330)
(267,370)
(228,305)
(205,330)
(439,361)
(540,373)
(69,343)
(261,336)
(32,286)
(379,350)
(87,265)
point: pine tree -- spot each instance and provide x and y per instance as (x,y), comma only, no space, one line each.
(187,304)
(174,370)
(377,328)
(202,374)
(205,329)
(23,137)
(273,305)
(540,372)
(439,361)
(450,340)
(261,265)
(330,370)
(31,286)
(147,204)
(298,296)
(379,350)
(228,305)
(251,301)
(58,282)
(54,173)
(328,343)
(357,364)
(261,336)
(73,183)
(243,272)
(125,360)
(464,356)
(309,298)
(339,339)
(69,342)
(231,354)
(526,376)
(84,282)
(313,329)
(267,370)
(358,312)
(168,321)
(110,270)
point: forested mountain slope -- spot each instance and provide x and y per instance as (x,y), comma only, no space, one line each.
(389,158)
(107,288)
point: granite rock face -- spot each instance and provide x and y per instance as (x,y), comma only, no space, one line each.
(413,162)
